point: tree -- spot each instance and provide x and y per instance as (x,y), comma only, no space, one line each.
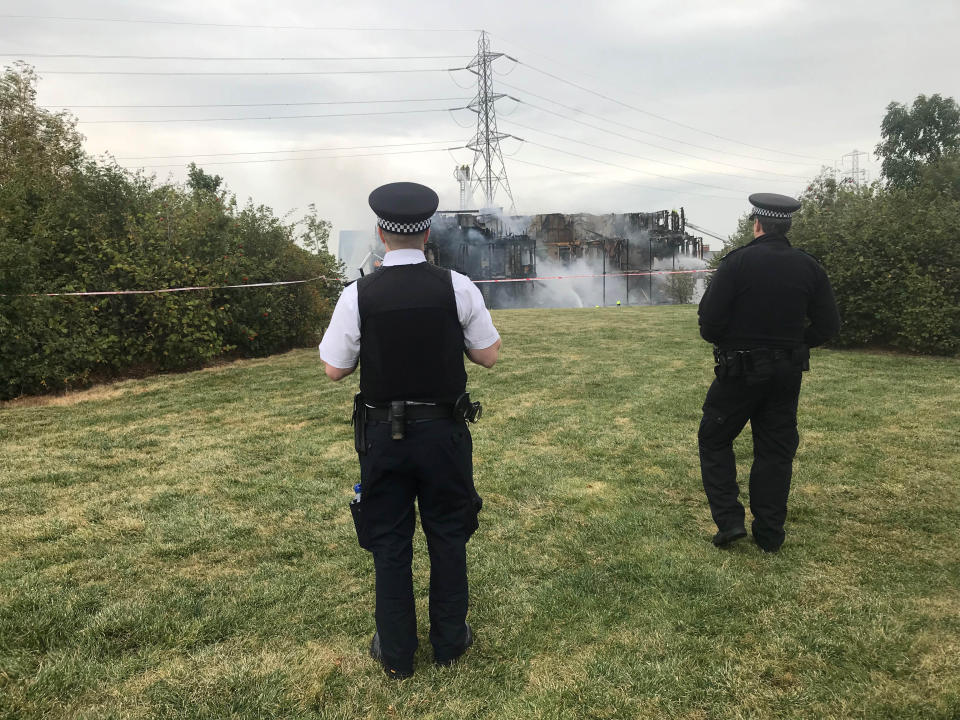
(200,181)
(679,287)
(33,141)
(917,136)
(70,222)
(316,233)
(740,237)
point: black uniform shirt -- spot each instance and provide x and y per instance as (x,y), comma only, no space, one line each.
(762,296)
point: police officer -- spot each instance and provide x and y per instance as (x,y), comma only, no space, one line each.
(767,304)
(409,325)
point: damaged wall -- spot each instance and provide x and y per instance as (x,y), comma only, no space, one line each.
(495,247)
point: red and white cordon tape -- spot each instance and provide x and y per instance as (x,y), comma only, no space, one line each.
(321,277)
(600,275)
(173,290)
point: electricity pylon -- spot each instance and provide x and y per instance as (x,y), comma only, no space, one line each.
(489,172)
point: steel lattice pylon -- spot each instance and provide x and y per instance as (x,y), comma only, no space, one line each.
(489,172)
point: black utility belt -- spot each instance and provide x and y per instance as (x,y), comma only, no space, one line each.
(411,411)
(755,353)
(399,412)
(758,362)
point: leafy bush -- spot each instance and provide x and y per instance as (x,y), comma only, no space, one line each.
(892,255)
(680,287)
(69,223)
(894,262)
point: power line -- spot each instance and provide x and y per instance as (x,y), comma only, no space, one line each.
(624,167)
(317,157)
(231,58)
(232,25)
(268,117)
(657,135)
(639,157)
(655,115)
(271,152)
(621,182)
(277,104)
(644,142)
(261,72)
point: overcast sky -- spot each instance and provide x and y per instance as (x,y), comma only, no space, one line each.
(750,96)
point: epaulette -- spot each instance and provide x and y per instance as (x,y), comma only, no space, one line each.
(811,255)
(735,250)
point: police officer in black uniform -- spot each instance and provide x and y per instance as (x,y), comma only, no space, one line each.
(409,325)
(766,305)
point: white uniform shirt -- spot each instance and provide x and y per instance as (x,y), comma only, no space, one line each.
(340,346)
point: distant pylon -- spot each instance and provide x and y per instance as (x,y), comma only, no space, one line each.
(854,176)
(489,172)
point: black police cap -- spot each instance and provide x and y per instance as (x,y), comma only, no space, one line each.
(772,205)
(404,208)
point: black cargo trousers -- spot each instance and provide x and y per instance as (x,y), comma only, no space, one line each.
(432,464)
(770,404)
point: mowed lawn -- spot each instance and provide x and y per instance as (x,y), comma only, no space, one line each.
(181,547)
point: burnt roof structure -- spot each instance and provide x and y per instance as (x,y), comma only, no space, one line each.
(493,248)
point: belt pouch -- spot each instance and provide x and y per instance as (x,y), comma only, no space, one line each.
(359,420)
(761,366)
(397,418)
(356,510)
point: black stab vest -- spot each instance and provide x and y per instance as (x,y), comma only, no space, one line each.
(411,341)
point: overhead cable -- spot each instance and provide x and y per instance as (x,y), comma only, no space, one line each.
(234,25)
(286,58)
(251,73)
(641,157)
(644,142)
(273,152)
(624,167)
(294,159)
(658,135)
(621,182)
(655,115)
(274,104)
(268,117)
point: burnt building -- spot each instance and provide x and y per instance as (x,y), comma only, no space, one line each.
(483,247)
(613,237)
(503,251)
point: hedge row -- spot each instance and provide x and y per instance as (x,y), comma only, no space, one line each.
(892,255)
(103,230)
(71,223)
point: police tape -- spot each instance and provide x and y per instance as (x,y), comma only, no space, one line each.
(195,288)
(192,288)
(599,275)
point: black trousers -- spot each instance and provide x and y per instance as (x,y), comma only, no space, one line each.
(771,407)
(433,465)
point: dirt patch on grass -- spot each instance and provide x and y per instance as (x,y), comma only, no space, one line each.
(945,606)
(557,672)
(99,393)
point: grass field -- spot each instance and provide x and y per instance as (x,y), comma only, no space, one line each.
(181,547)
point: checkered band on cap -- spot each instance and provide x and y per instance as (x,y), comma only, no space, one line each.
(771,213)
(404,228)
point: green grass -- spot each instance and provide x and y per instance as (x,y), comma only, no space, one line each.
(180,546)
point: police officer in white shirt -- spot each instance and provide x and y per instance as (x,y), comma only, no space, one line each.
(408,325)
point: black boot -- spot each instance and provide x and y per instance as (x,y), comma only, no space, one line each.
(377,654)
(466,643)
(725,537)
